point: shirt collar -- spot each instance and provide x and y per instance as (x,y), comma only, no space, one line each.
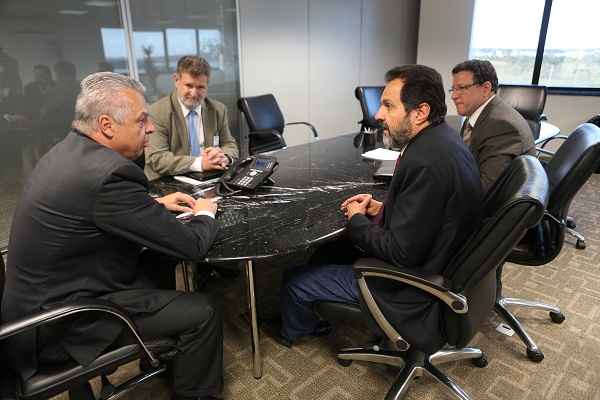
(186,110)
(473,118)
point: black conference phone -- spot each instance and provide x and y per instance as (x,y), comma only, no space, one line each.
(250,173)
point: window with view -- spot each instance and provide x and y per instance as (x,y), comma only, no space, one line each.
(547,42)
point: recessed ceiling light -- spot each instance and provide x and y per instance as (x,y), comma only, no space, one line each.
(72,12)
(100,3)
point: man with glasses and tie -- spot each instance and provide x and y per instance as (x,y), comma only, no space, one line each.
(494,131)
(192,131)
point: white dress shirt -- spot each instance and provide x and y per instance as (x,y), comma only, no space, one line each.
(473,118)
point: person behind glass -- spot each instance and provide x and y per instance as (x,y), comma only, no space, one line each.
(98,234)
(58,105)
(494,131)
(192,130)
(432,205)
(36,90)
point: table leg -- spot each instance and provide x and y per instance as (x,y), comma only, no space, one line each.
(257,360)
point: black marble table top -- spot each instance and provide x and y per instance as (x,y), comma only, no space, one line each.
(300,210)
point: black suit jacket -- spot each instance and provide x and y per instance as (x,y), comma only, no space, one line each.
(84,217)
(499,135)
(433,203)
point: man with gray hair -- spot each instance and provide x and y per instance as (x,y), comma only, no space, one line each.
(87,228)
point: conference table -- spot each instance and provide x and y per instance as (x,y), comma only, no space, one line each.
(297,213)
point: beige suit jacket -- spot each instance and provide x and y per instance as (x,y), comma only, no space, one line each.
(168,152)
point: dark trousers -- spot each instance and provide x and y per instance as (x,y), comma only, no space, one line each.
(196,323)
(327,277)
(192,319)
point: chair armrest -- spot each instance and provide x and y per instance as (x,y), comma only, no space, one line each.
(24,324)
(271,132)
(544,151)
(557,137)
(372,267)
(311,126)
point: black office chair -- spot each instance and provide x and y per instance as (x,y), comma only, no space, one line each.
(595,120)
(369,98)
(467,287)
(529,101)
(266,123)
(568,170)
(50,380)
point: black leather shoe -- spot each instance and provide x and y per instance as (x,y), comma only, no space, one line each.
(323,328)
(277,337)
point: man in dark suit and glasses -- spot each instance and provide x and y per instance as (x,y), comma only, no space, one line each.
(87,228)
(432,205)
(494,131)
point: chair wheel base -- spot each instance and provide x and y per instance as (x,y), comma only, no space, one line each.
(535,355)
(480,362)
(344,363)
(557,317)
(580,244)
(571,223)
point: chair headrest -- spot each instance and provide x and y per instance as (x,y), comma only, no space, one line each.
(528,100)
(262,112)
(369,98)
(572,165)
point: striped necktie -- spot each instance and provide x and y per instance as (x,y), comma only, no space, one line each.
(466,132)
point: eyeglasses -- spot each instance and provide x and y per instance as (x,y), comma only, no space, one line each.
(461,89)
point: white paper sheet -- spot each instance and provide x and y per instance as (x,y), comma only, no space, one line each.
(381,155)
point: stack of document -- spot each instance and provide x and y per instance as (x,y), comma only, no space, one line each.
(381,155)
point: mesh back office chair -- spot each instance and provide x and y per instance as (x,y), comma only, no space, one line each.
(568,170)
(467,288)
(266,123)
(369,98)
(529,101)
(50,380)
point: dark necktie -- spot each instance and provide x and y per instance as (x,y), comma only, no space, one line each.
(466,132)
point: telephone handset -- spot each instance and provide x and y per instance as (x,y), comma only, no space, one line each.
(249,173)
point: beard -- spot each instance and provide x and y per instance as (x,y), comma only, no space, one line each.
(191,103)
(396,138)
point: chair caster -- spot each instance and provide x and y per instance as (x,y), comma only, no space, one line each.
(480,362)
(557,317)
(344,363)
(580,244)
(535,356)
(571,223)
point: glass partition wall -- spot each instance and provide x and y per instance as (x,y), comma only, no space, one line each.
(47,47)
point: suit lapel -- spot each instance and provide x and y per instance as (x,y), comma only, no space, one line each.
(485,112)
(180,127)
(209,123)
(475,131)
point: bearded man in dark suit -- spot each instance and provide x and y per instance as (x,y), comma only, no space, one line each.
(432,205)
(87,228)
